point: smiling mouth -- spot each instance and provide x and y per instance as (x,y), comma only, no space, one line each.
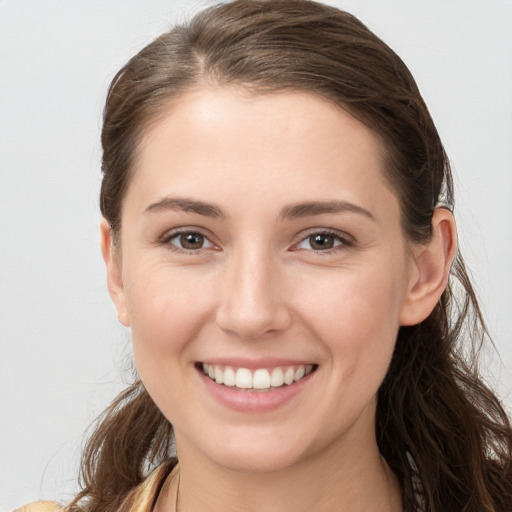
(261,379)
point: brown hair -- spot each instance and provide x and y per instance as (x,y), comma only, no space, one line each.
(438,426)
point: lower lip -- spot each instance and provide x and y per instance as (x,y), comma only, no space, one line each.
(254,401)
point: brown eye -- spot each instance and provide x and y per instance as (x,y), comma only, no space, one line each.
(188,241)
(191,241)
(322,241)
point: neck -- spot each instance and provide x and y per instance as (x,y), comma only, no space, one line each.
(355,480)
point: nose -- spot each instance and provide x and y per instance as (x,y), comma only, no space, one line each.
(253,300)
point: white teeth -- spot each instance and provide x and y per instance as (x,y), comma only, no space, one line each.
(260,379)
(277,378)
(299,373)
(243,378)
(229,376)
(219,375)
(288,376)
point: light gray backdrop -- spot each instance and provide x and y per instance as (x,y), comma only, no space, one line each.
(62,353)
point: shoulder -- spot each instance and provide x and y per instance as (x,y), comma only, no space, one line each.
(40,506)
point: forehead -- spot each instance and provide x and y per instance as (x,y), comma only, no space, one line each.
(272,118)
(216,139)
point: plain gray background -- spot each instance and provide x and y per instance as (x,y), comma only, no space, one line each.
(63,355)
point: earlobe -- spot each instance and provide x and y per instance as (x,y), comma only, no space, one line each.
(432,263)
(114,274)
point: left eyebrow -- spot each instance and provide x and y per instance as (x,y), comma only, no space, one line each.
(307,209)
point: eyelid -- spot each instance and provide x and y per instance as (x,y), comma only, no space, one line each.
(168,236)
(347,240)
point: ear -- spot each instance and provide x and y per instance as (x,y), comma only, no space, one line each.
(430,269)
(114,275)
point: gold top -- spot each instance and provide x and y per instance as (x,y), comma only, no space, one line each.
(141,499)
(40,506)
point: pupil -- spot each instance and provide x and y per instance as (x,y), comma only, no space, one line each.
(322,241)
(192,241)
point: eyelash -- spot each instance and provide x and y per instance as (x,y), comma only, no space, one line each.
(341,241)
(168,238)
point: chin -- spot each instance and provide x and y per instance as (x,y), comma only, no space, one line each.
(245,451)
(257,461)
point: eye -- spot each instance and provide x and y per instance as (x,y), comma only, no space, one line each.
(324,241)
(187,241)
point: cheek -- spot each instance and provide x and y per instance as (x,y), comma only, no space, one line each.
(166,311)
(357,317)
(357,306)
(357,321)
(166,308)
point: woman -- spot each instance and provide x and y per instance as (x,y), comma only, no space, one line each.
(278,236)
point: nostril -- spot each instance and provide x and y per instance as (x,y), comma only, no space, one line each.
(253,323)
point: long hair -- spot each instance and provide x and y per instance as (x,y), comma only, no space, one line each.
(441,430)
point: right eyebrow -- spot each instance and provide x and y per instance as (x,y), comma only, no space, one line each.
(312,208)
(186,205)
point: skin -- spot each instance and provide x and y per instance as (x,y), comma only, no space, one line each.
(258,288)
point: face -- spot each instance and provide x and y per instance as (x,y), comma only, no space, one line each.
(264,274)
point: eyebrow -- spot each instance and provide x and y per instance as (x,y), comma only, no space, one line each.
(187,205)
(293,211)
(307,209)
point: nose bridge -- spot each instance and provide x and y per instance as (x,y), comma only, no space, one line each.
(251,303)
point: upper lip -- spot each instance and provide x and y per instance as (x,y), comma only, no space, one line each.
(253,364)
